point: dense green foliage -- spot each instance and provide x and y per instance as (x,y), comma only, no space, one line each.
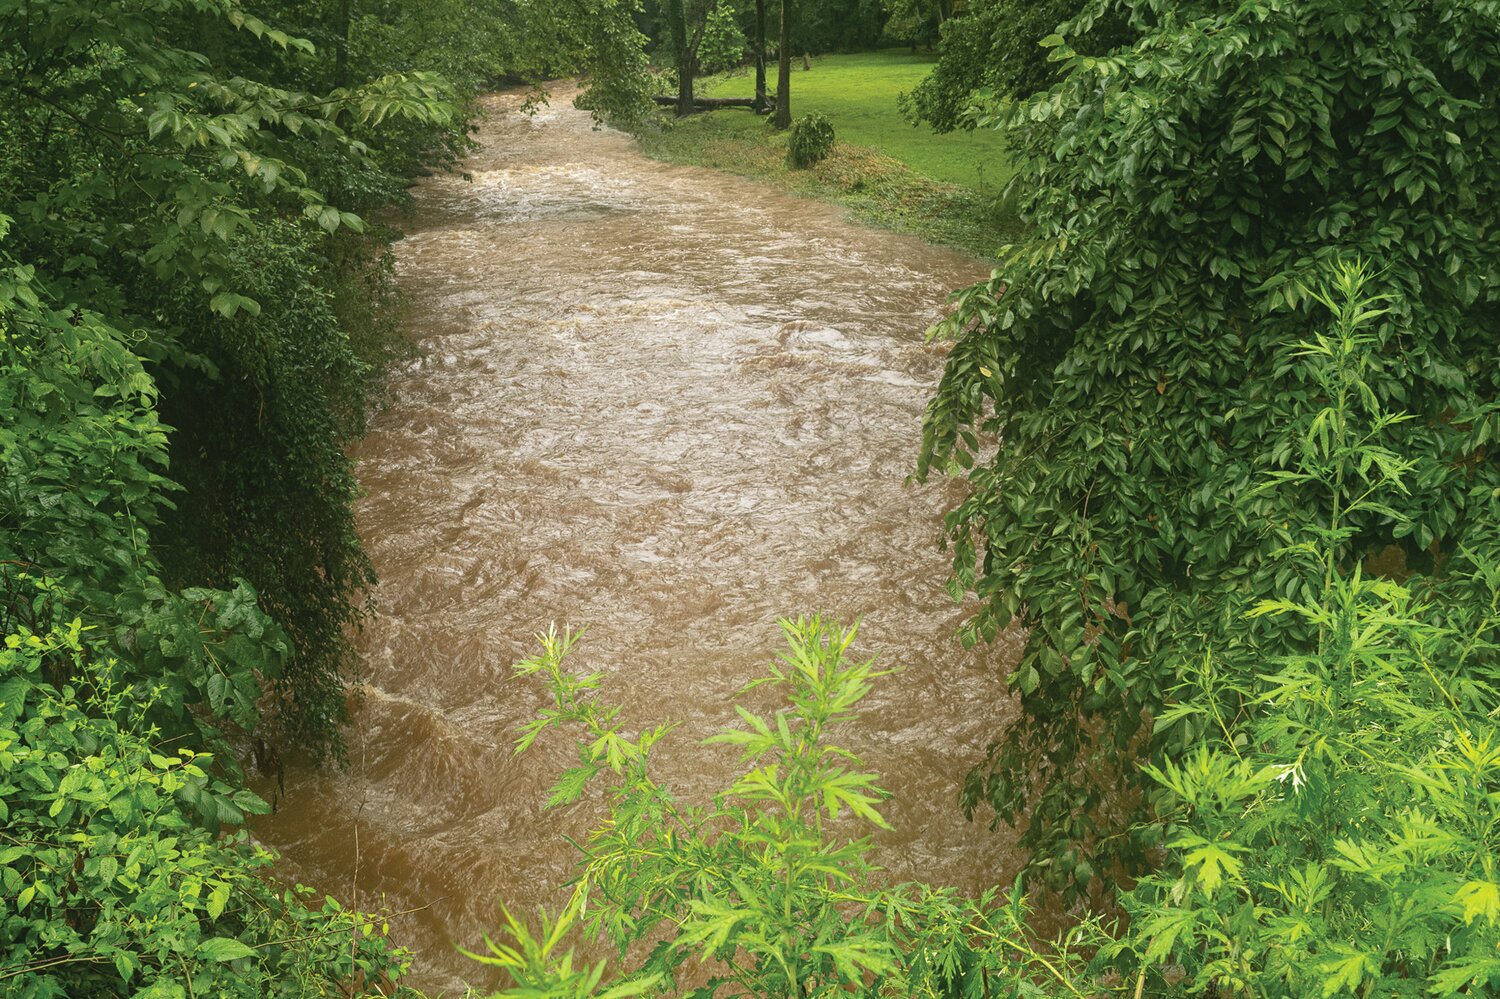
(723,46)
(995,47)
(1332,816)
(474,45)
(115,877)
(1339,833)
(837,25)
(156,189)
(1118,393)
(84,452)
(186,282)
(810,140)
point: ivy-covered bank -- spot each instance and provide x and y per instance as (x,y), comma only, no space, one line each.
(1120,400)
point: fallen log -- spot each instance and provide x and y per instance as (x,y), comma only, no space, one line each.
(714,103)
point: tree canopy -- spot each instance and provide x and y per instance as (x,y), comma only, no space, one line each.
(993,46)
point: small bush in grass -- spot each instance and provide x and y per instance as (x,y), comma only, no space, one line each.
(810,140)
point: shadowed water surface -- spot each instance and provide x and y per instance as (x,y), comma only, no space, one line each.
(670,405)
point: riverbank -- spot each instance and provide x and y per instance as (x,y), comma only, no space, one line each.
(943,188)
(879,189)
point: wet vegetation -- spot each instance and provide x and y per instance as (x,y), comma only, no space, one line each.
(1224,417)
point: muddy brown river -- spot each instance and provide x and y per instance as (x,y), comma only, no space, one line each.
(673,406)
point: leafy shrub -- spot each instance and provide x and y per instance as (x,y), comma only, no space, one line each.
(228,300)
(772,878)
(83,455)
(1340,834)
(116,879)
(810,140)
(1332,822)
(723,44)
(1117,394)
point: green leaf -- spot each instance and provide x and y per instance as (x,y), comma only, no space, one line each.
(217,899)
(1480,898)
(1347,972)
(227,304)
(1213,864)
(571,785)
(634,987)
(223,949)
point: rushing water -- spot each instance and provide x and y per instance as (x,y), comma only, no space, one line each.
(670,405)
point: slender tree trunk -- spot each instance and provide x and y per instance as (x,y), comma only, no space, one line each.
(343,17)
(677,17)
(760,53)
(784,69)
(685,86)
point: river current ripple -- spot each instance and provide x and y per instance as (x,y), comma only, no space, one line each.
(671,405)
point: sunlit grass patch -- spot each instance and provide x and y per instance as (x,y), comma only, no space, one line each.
(877,164)
(858,92)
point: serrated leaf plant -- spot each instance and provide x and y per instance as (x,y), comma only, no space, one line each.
(769,888)
(1335,827)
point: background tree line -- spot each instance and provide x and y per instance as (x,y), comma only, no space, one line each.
(984,46)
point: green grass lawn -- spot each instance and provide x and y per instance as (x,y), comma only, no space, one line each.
(941,187)
(858,93)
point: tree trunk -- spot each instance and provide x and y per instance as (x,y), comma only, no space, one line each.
(760,54)
(784,69)
(710,103)
(677,18)
(342,18)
